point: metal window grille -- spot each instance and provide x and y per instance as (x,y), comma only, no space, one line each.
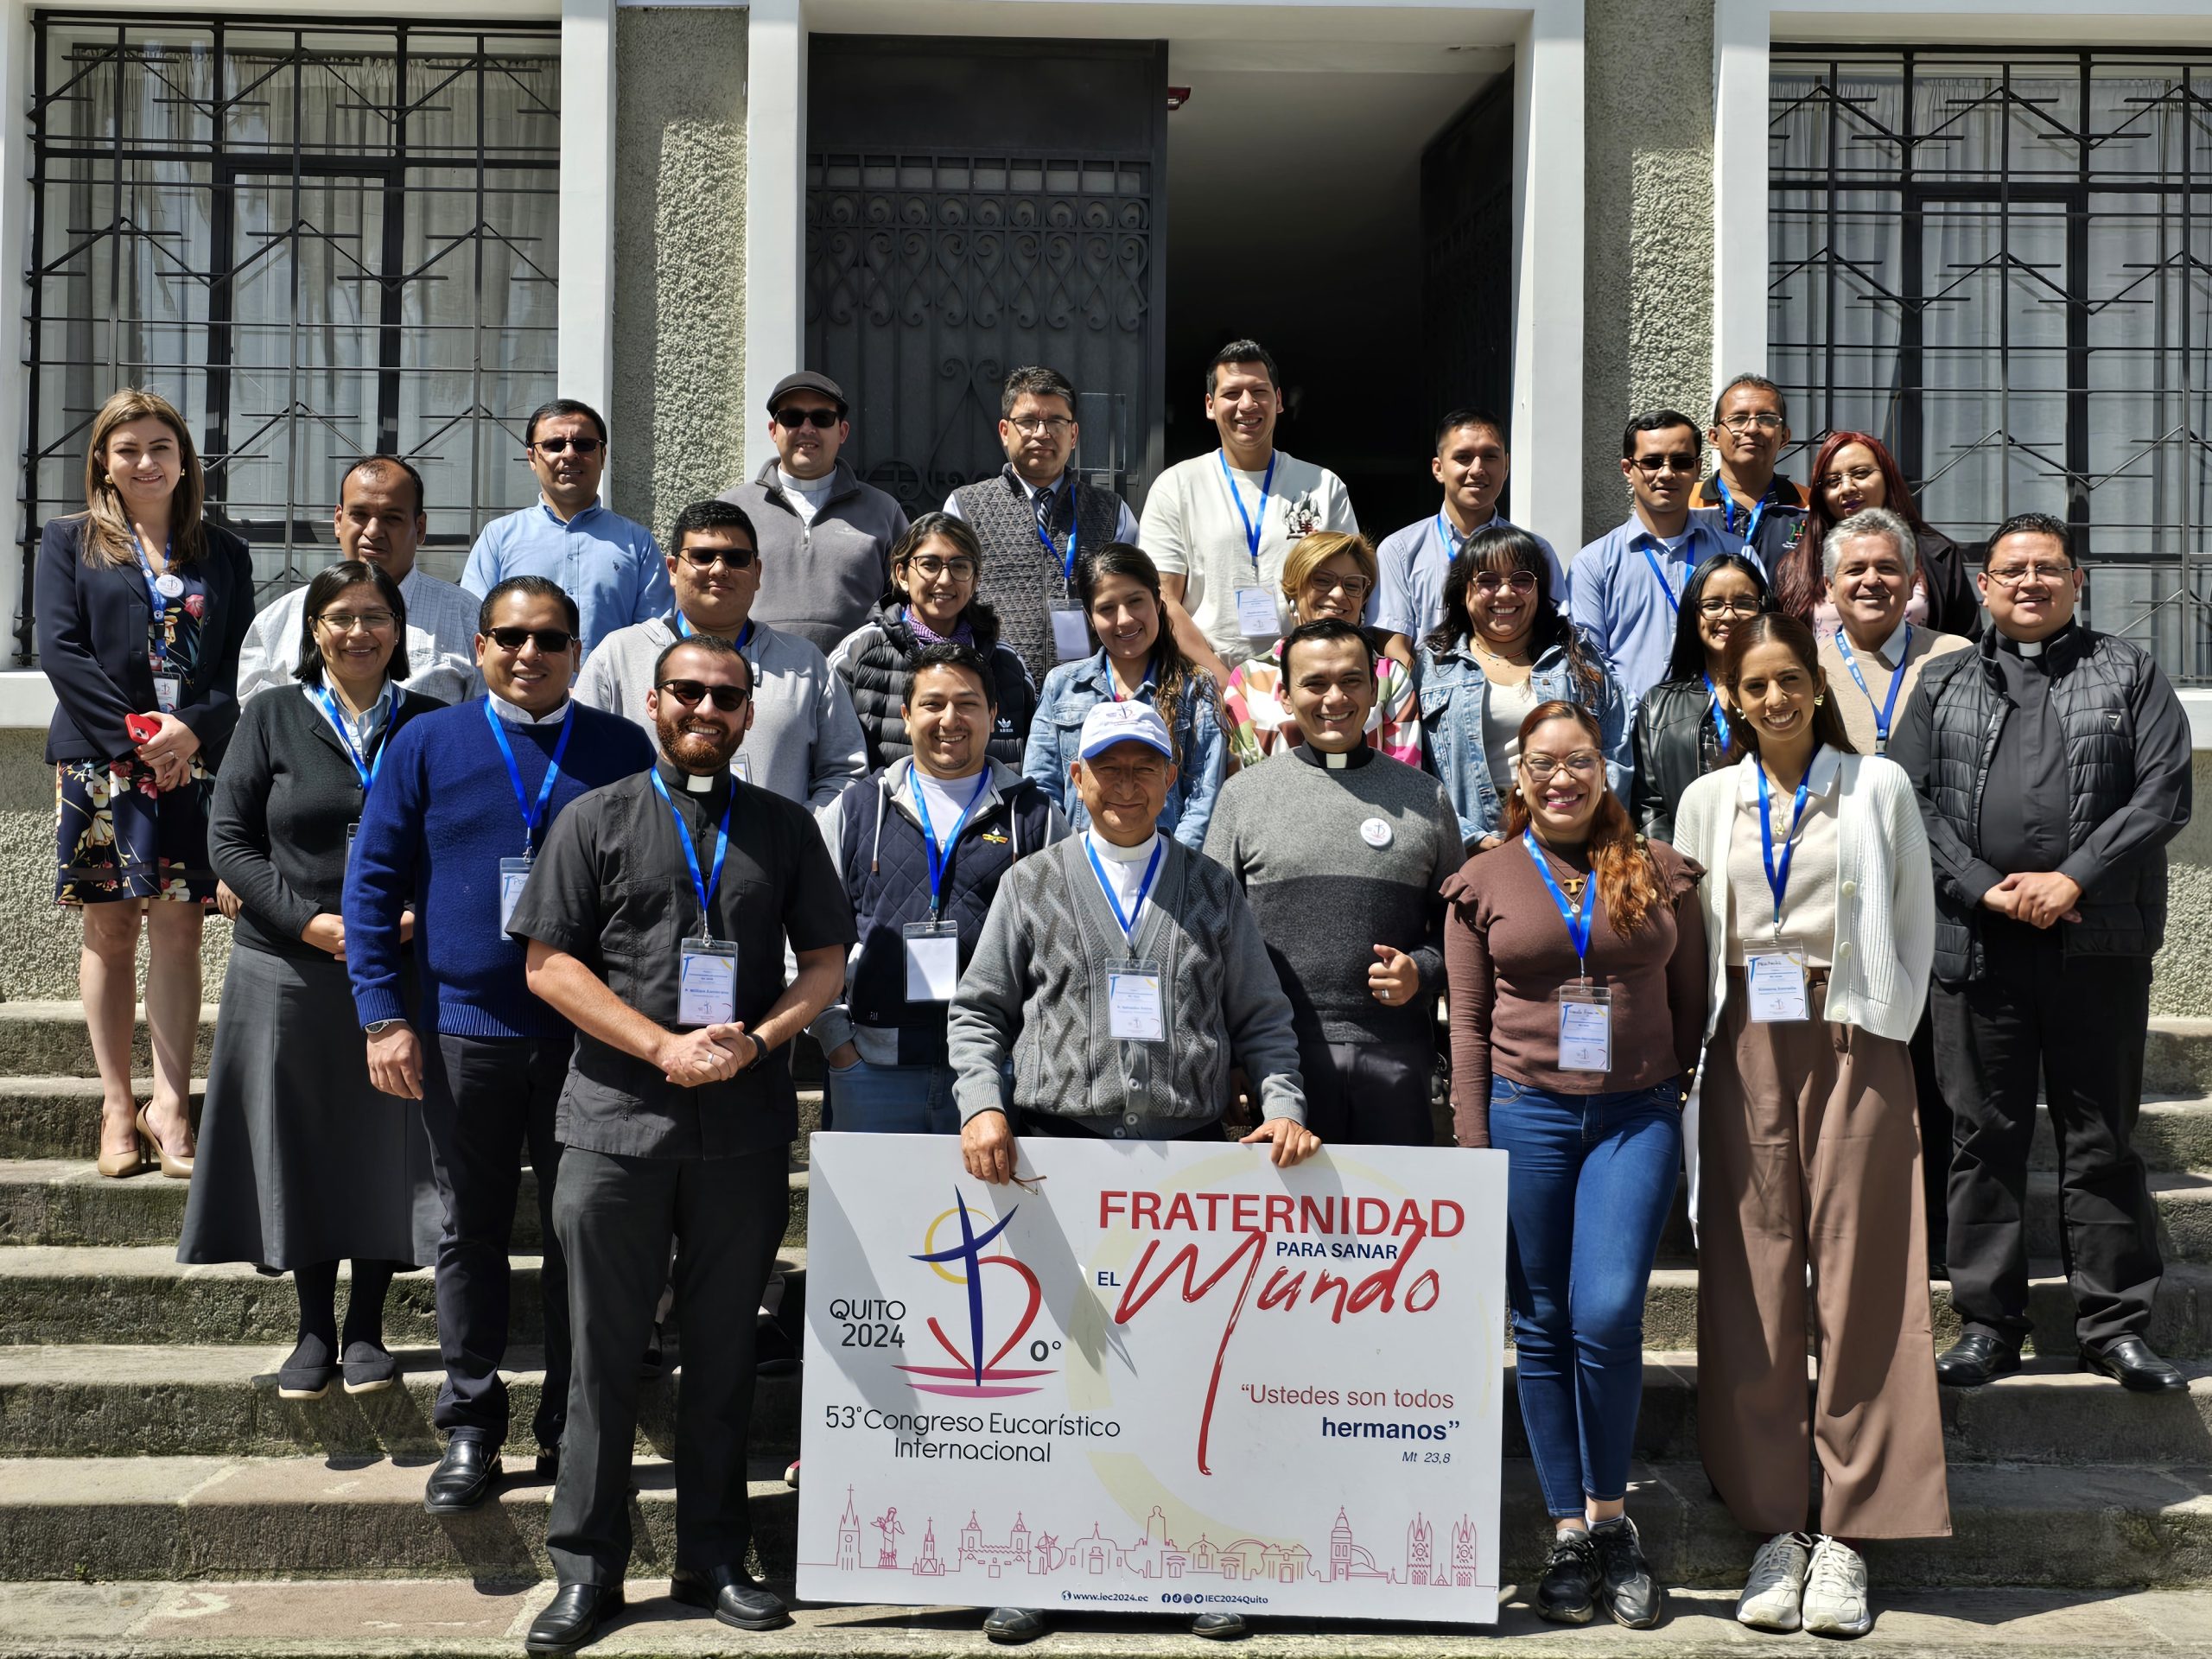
(2001,264)
(320,238)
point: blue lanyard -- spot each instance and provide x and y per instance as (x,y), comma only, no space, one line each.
(1751,517)
(1129,922)
(1252,527)
(940,859)
(713,884)
(155,596)
(1453,544)
(685,630)
(1778,874)
(1889,704)
(1577,927)
(1075,528)
(329,704)
(1719,716)
(1667,588)
(531,816)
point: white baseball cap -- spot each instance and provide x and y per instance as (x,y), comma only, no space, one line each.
(1123,722)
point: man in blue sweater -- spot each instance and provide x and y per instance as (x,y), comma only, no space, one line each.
(461,803)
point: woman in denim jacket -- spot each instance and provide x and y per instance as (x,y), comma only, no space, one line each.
(1503,648)
(1119,589)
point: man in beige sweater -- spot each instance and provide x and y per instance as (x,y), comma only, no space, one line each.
(1874,657)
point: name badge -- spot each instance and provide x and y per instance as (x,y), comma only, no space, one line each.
(706,983)
(932,961)
(1071,636)
(168,691)
(1585,1028)
(1257,617)
(514,874)
(1775,982)
(1135,1011)
(740,766)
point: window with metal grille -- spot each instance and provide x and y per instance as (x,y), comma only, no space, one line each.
(319,239)
(2001,264)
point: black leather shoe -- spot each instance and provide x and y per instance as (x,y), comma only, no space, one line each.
(572,1617)
(1975,1359)
(1221,1627)
(464,1477)
(736,1600)
(2130,1363)
(1014,1624)
(1626,1588)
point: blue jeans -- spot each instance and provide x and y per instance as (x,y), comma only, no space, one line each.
(1592,1178)
(868,1099)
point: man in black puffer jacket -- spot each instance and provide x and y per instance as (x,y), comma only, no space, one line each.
(2053,767)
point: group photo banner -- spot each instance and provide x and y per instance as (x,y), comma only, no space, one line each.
(1154,1377)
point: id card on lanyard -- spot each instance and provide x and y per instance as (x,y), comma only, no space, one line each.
(1070,628)
(514,872)
(1885,710)
(1585,1011)
(169,685)
(1136,1004)
(1775,980)
(1258,617)
(365,770)
(934,947)
(706,968)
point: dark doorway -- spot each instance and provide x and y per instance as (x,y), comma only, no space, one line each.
(973,206)
(1466,218)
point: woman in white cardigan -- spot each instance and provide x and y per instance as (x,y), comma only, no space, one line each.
(1820,916)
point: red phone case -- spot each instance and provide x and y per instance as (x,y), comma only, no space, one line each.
(144,728)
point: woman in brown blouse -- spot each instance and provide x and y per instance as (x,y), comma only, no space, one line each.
(1577,961)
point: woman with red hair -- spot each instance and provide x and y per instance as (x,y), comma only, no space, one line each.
(1852,472)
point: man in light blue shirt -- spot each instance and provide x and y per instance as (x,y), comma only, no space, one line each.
(1627,585)
(613,569)
(1471,463)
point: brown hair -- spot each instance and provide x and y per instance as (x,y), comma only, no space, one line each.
(1312,552)
(1775,627)
(1628,879)
(108,536)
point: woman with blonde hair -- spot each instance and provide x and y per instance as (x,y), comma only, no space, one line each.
(142,608)
(1329,574)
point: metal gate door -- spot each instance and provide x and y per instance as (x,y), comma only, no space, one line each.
(1466,202)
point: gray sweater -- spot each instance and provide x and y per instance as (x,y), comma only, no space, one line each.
(1036,991)
(1295,833)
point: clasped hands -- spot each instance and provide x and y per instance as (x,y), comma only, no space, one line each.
(713,1053)
(2039,899)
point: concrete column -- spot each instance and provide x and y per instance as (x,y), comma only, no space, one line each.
(679,410)
(775,216)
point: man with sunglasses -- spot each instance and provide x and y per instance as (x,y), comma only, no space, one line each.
(462,802)
(1749,429)
(826,536)
(1626,587)
(805,742)
(657,922)
(612,566)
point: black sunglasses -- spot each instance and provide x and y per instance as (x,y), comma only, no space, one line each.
(728,698)
(706,558)
(820,419)
(555,446)
(551,641)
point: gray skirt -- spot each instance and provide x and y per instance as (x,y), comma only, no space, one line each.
(301,1158)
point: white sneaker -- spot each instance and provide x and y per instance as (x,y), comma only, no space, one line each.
(1775,1592)
(1835,1591)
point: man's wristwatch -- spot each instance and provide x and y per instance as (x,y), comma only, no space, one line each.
(377,1028)
(760,1048)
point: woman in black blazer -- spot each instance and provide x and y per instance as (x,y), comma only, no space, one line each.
(142,608)
(304,1163)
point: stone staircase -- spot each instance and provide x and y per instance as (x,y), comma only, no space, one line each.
(143,1444)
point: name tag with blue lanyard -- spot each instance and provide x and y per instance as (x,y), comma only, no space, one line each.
(706,968)
(1585,1011)
(934,947)
(1136,1005)
(1070,628)
(1258,617)
(514,873)
(169,685)
(1885,710)
(1774,981)
(365,769)
(1751,516)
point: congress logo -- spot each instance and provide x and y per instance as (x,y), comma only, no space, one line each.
(972,1375)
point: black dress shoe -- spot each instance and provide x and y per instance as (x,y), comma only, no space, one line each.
(1974,1359)
(1221,1627)
(2130,1363)
(572,1617)
(1013,1625)
(464,1477)
(736,1600)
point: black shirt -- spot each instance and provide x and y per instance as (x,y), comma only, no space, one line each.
(612,888)
(2024,805)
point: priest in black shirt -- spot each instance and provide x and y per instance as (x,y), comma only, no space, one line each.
(656,920)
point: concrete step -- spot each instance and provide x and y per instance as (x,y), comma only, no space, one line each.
(141,1293)
(2178,1056)
(166,1518)
(2172,1133)
(90,1400)
(67,1201)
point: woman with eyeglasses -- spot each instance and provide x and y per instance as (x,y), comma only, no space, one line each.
(1855,471)
(1138,660)
(1501,649)
(932,600)
(1328,574)
(303,1162)
(1682,729)
(143,605)
(1576,958)
(1820,924)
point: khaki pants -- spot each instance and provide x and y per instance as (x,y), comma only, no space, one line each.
(1810,1150)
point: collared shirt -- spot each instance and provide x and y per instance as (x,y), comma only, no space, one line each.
(613,569)
(1412,563)
(515,714)
(1620,601)
(1125,526)
(2024,804)
(440,640)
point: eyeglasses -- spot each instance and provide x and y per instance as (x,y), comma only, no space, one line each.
(1487,582)
(551,641)
(1860,475)
(1353,587)
(1728,605)
(1681,461)
(2013,576)
(1034,425)
(341,622)
(728,698)
(706,558)
(929,567)
(556,446)
(1744,420)
(820,419)
(1582,763)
